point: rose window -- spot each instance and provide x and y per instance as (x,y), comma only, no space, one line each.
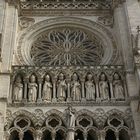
(66,47)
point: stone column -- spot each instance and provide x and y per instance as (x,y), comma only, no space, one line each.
(111,89)
(97,90)
(117,135)
(6,135)
(21,136)
(10,97)
(54,90)
(38,135)
(26,81)
(70,134)
(68,91)
(53,134)
(85,135)
(39,99)
(102,135)
(83,89)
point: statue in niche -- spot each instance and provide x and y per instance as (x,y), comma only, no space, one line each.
(103,88)
(18,89)
(75,88)
(90,88)
(118,87)
(61,87)
(47,89)
(32,93)
(70,122)
(71,114)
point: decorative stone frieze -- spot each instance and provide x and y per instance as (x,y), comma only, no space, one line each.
(57,7)
(83,84)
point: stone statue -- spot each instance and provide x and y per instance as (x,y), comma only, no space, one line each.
(118,88)
(47,89)
(71,117)
(103,88)
(32,93)
(90,88)
(71,123)
(61,88)
(75,88)
(18,89)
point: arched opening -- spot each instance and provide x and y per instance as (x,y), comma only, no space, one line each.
(79,135)
(110,135)
(28,136)
(92,135)
(14,136)
(60,135)
(123,135)
(47,135)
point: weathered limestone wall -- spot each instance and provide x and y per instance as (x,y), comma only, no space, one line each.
(8,24)
(132,9)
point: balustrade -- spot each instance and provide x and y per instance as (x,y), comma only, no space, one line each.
(66,84)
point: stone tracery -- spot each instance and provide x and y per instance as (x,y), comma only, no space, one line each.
(54,124)
(67,47)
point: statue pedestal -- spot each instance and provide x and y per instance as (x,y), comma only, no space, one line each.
(24,100)
(54,100)
(98,100)
(83,100)
(70,134)
(69,99)
(39,100)
(113,100)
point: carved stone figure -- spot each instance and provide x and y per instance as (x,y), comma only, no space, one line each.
(90,88)
(71,123)
(71,117)
(61,88)
(103,88)
(18,89)
(118,88)
(75,88)
(32,94)
(47,89)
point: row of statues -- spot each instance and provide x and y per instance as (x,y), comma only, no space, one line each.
(74,88)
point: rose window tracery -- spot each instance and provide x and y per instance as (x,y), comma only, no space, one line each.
(67,46)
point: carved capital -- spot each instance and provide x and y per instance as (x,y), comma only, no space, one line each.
(26,79)
(40,80)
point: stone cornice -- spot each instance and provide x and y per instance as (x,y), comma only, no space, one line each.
(69,7)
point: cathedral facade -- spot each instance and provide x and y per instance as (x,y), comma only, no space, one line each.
(69,70)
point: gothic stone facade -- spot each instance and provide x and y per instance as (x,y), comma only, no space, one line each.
(69,70)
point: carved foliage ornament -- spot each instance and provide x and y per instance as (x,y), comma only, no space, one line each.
(67,46)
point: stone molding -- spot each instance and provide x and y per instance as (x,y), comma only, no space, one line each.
(29,35)
(71,7)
